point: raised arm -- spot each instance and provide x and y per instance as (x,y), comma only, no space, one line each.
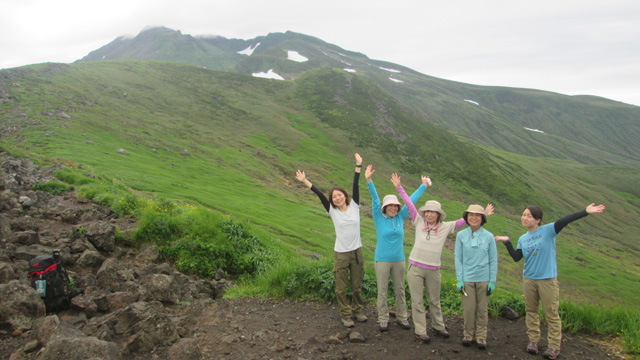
(516,255)
(356,178)
(591,209)
(303,179)
(410,202)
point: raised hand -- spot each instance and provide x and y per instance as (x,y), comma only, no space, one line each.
(591,209)
(368,172)
(489,210)
(300,175)
(395,179)
(358,159)
(426,180)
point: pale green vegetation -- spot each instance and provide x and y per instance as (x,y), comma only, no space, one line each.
(211,165)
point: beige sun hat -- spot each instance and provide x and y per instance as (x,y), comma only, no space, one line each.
(475,209)
(389,200)
(432,205)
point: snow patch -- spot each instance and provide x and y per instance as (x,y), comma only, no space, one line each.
(471,101)
(248,51)
(389,70)
(295,56)
(396,80)
(534,130)
(268,75)
(349,70)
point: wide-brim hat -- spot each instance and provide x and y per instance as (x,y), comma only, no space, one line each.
(389,200)
(475,209)
(432,205)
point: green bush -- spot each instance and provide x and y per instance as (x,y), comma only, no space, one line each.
(72,178)
(53,187)
(159,228)
(128,205)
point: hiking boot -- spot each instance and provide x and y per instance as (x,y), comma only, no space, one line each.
(444,333)
(423,337)
(384,326)
(551,354)
(482,344)
(466,342)
(360,317)
(348,323)
(532,348)
(404,324)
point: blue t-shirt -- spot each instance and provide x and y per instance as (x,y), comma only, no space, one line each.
(539,251)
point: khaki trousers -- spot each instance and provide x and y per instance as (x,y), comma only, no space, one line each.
(475,310)
(546,291)
(349,267)
(419,279)
(396,269)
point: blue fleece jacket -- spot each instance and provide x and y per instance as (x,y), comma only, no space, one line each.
(476,256)
(390,231)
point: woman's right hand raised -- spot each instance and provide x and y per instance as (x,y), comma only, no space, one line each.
(300,175)
(368,172)
(395,179)
(426,180)
(358,159)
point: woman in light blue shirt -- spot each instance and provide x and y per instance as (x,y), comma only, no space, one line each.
(476,272)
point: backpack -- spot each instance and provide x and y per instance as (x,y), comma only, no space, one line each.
(51,281)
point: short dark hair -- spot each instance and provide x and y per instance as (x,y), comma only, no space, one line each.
(338,188)
(536,212)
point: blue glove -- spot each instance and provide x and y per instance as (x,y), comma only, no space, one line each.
(491,288)
(460,286)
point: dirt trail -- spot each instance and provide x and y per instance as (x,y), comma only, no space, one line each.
(268,329)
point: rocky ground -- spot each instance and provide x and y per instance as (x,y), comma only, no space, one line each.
(135,306)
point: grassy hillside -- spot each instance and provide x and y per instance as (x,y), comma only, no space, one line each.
(493,116)
(232,143)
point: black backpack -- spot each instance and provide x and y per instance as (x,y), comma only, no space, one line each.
(51,281)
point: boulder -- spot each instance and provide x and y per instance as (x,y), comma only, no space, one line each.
(7,272)
(19,305)
(113,274)
(102,235)
(160,287)
(80,348)
(186,348)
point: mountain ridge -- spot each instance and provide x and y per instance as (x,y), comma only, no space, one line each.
(498,116)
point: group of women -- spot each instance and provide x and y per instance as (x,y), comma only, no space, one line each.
(476,261)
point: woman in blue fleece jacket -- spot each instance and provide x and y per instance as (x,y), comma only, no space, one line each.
(389,257)
(476,270)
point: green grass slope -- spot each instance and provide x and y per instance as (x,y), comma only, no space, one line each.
(495,116)
(232,143)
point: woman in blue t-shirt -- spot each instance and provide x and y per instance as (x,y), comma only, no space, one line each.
(540,274)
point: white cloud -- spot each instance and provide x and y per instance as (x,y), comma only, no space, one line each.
(571,47)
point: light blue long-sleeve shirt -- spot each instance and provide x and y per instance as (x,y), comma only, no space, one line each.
(476,256)
(390,231)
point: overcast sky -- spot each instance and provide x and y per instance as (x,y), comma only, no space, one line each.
(571,47)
